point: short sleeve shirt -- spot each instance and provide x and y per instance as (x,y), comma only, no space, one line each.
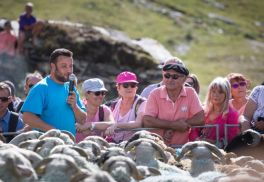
(257,95)
(25,20)
(186,106)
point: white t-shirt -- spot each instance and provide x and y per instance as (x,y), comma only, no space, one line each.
(257,95)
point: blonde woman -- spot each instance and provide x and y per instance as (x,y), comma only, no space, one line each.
(218,111)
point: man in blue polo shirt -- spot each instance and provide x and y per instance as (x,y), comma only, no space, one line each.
(49,103)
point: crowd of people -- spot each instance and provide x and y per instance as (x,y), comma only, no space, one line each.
(11,44)
(171,108)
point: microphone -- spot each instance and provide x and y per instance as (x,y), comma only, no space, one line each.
(72,78)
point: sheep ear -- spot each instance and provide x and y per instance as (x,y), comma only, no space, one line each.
(160,151)
(132,144)
(80,151)
(69,134)
(39,144)
(41,167)
(186,149)
(133,168)
(154,171)
(2,138)
(215,151)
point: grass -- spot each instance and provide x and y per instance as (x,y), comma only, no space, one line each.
(216,48)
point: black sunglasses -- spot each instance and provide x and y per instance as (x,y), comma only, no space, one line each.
(4,99)
(132,85)
(103,93)
(174,76)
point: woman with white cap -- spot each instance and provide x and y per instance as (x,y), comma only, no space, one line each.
(128,109)
(99,116)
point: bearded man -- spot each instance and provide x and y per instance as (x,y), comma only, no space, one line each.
(49,104)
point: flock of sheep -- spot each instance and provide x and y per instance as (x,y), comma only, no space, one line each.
(54,156)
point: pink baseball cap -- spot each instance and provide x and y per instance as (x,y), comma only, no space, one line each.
(126,77)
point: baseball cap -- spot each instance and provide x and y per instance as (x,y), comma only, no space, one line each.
(93,85)
(126,77)
(172,60)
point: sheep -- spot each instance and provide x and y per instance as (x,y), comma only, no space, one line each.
(25,136)
(146,152)
(121,168)
(67,137)
(90,147)
(249,143)
(57,167)
(110,152)
(29,144)
(202,154)
(149,147)
(99,140)
(78,154)
(44,146)
(170,152)
(14,167)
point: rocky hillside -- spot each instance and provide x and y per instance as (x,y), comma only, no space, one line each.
(213,37)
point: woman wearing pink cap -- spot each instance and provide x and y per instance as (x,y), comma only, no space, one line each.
(128,109)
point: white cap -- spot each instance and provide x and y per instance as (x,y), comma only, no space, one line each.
(93,85)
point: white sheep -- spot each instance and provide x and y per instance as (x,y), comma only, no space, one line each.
(14,167)
(122,168)
(57,167)
(66,136)
(25,136)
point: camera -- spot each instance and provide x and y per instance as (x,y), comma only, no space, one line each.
(260,118)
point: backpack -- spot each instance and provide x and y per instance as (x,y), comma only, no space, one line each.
(113,103)
(13,120)
(101,113)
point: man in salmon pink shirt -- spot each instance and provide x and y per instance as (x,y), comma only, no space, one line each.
(173,108)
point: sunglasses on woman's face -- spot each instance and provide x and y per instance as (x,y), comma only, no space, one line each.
(240,84)
(173,76)
(103,93)
(132,85)
(4,99)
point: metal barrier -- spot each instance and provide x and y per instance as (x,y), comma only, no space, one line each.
(178,146)
(149,129)
(226,132)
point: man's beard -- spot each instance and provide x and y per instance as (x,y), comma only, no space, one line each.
(59,77)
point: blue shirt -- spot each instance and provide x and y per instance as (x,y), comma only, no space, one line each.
(25,20)
(5,122)
(48,100)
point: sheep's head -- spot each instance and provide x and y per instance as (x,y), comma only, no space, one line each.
(145,151)
(25,136)
(121,168)
(99,140)
(90,146)
(66,136)
(201,149)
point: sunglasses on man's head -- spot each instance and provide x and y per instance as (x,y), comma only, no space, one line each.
(173,76)
(240,84)
(103,93)
(132,85)
(4,99)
